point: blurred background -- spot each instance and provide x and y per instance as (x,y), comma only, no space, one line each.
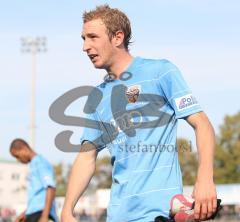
(41,58)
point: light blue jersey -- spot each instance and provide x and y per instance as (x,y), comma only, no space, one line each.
(142,139)
(41,176)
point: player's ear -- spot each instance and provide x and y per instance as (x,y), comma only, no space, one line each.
(118,38)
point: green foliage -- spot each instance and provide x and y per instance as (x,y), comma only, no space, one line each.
(61,180)
(103,175)
(227,157)
(188,161)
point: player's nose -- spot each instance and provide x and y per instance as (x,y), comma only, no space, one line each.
(86,46)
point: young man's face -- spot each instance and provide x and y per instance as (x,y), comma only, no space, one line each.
(97,44)
(21,155)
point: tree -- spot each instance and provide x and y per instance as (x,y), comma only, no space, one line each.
(61,180)
(103,173)
(188,161)
(227,157)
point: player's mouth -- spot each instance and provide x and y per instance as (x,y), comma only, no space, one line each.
(93,57)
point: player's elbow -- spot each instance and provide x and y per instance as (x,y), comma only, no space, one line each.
(199,121)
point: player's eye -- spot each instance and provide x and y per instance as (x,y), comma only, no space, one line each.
(93,36)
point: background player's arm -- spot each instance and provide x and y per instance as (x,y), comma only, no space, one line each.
(204,190)
(81,174)
(21,217)
(50,194)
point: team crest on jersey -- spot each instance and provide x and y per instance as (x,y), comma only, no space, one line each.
(132,93)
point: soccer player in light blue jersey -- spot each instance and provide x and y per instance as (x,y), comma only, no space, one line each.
(141,103)
(41,184)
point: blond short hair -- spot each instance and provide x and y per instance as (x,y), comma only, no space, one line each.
(113,19)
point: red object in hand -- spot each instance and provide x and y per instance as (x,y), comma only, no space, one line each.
(182,208)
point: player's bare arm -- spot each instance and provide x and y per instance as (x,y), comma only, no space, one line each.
(50,194)
(21,217)
(81,174)
(204,190)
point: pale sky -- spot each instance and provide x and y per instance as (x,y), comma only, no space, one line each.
(201,38)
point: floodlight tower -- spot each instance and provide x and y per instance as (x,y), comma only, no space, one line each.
(33,46)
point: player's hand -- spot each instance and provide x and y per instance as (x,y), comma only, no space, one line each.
(21,218)
(205,197)
(43,218)
(67,216)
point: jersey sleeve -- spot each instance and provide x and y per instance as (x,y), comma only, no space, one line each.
(176,91)
(93,132)
(46,174)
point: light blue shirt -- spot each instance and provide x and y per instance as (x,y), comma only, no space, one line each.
(41,176)
(146,172)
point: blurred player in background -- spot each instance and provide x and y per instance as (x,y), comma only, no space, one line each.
(41,184)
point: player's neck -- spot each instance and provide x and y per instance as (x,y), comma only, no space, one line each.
(121,62)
